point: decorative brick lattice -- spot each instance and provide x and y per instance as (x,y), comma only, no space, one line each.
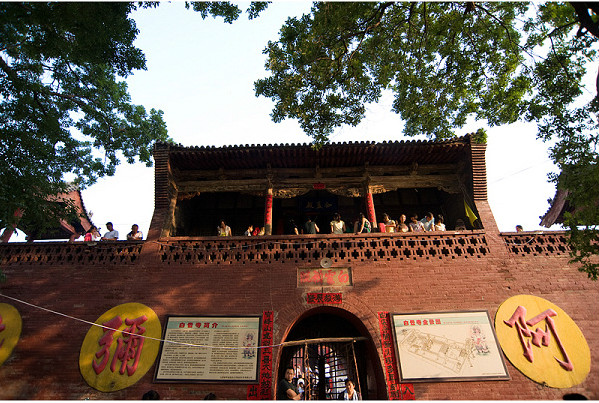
(311,249)
(537,244)
(78,253)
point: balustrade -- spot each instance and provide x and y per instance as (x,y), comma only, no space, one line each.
(310,249)
(554,243)
(303,249)
(76,253)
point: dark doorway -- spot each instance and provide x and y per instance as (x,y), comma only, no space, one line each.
(200,215)
(325,348)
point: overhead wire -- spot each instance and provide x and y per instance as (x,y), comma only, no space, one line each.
(129,333)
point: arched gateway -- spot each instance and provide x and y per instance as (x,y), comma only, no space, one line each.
(325,346)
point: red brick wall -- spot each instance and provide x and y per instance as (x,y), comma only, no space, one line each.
(44,364)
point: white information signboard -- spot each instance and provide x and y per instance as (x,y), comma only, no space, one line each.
(447,346)
(209,349)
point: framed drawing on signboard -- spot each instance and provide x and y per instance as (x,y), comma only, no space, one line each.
(209,349)
(447,346)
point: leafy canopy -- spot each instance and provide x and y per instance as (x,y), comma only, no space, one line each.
(495,62)
(64,107)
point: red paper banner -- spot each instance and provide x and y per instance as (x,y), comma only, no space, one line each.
(263,391)
(397,391)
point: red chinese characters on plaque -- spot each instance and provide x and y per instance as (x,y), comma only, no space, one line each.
(128,349)
(121,348)
(542,341)
(334,277)
(324,298)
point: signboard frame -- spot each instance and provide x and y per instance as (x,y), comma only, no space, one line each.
(254,320)
(409,371)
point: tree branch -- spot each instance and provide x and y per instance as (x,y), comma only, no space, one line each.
(584,18)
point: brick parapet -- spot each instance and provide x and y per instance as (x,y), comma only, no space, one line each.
(45,363)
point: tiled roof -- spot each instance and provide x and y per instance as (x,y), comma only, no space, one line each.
(330,155)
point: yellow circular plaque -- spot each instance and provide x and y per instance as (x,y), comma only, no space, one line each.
(10,330)
(542,341)
(117,355)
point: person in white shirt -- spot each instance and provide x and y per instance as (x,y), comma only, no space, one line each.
(223,229)
(337,225)
(112,234)
(439,224)
(135,234)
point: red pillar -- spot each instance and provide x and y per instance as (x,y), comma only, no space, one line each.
(268,213)
(370,209)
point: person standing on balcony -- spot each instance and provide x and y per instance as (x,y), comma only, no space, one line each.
(223,229)
(92,234)
(401,225)
(362,225)
(428,222)
(135,234)
(111,234)
(390,225)
(337,225)
(439,225)
(291,227)
(311,227)
(415,225)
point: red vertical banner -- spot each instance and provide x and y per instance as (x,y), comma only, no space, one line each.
(268,213)
(370,210)
(263,391)
(397,391)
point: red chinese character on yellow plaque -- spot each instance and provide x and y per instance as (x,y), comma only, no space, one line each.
(127,336)
(542,341)
(105,342)
(538,336)
(129,346)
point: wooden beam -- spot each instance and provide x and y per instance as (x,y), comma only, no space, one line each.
(315,173)
(323,340)
(446,182)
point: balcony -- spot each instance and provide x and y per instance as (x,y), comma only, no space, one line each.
(302,249)
(310,249)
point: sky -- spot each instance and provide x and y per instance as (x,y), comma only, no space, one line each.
(201,74)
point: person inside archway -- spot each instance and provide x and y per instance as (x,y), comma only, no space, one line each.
(350,392)
(286,390)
